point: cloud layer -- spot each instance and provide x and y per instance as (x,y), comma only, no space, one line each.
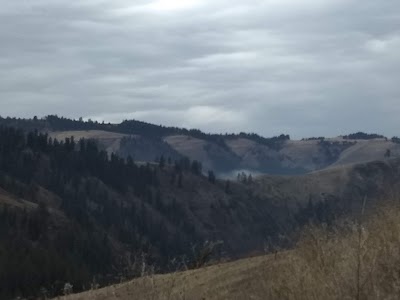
(304,67)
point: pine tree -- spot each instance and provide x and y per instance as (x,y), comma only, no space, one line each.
(162,162)
(180,179)
(228,186)
(211,177)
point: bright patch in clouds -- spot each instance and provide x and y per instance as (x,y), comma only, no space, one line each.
(171,5)
(376,46)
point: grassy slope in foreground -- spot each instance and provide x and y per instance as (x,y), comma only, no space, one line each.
(352,261)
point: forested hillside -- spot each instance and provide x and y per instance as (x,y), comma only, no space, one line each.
(64,236)
(72,213)
(145,142)
(225,153)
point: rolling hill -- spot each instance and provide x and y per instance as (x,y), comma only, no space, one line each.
(351,260)
(225,154)
(293,157)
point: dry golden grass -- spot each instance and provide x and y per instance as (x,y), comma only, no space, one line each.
(355,260)
(224,281)
(331,181)
(367,150)
(8,199)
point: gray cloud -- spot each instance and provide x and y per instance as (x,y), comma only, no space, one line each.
(303,67)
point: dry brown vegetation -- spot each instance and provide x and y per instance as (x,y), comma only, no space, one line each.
(367,150)
(332,181)
(354,260)
(6,199)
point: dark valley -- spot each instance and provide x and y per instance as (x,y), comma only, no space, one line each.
(87,203)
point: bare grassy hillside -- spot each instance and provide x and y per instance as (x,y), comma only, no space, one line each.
(315,186)
(212,155)
(229,154)
(365,151)
(356,259)
(11,200)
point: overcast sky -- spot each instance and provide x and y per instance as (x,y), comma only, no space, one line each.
(302,67)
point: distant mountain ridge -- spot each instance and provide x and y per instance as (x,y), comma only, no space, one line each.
(222,153)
